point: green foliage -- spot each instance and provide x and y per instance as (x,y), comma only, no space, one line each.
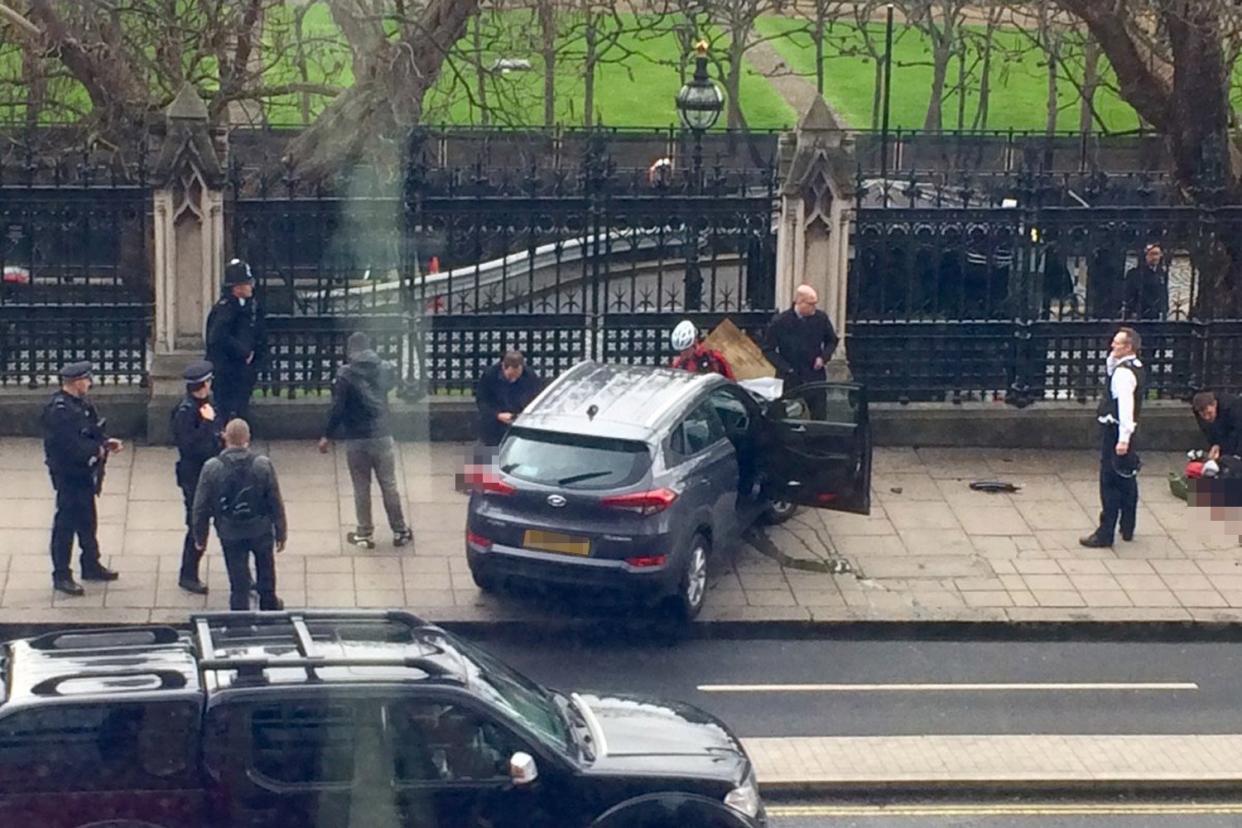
(1019,91)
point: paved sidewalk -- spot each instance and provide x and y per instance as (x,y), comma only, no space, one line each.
(827,763)
(931,549)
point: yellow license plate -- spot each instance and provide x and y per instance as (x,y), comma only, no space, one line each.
(556,542)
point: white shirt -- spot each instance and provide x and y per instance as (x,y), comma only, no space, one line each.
(1122,386)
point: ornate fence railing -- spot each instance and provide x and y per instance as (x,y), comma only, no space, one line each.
(36,340)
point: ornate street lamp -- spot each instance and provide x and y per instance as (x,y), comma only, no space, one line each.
(699,103)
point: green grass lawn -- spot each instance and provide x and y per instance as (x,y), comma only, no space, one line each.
(1018,98)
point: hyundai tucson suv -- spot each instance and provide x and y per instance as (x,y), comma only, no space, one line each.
(321,719)
(629,478)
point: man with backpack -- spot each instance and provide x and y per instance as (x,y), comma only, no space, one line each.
(239,492)
(359,416)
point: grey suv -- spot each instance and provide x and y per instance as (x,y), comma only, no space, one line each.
(628,478)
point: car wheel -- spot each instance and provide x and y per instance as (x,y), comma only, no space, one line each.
(482,580)
(779,511)
(692,588)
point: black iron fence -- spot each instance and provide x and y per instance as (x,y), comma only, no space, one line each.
(36,340)
(304,353)
(1016,301)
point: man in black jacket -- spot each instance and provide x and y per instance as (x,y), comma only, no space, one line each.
(239,492)
(76,448)
(236,342)
(501,393)
(1220,419)
(800,341)
(1145,289)
(197,432)
(359,416)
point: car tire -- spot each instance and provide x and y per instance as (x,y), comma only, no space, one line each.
(779,511)
(692,585)
(485,582)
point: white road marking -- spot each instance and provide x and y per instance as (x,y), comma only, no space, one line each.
(952,687)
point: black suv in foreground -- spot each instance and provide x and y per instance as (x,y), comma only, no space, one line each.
(326,719)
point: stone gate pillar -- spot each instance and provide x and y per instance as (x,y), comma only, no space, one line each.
(817,206)
(188,197)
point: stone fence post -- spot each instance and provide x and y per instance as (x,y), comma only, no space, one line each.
(818,201)
(188,224)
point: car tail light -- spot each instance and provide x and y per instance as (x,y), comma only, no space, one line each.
(825,497)
(646,561)
(476,539)
(487,482)
(643,503)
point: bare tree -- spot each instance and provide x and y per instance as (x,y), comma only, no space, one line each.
(940,21)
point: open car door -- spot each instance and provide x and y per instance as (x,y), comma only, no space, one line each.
(819,447)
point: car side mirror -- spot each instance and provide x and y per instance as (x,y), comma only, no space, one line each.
(522,769)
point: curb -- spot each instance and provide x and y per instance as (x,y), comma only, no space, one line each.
(783,791)
(663,632)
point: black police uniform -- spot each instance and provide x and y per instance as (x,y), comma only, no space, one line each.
(1118,473)
(236,331)
(74,445)
(198,439)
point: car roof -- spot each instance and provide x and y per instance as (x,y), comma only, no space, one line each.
(629,402)
(223,651)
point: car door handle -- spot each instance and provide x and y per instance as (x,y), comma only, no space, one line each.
(798,429)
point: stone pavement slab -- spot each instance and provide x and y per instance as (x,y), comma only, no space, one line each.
(931,549)
(1145,761)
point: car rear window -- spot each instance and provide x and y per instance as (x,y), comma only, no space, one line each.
(572,461)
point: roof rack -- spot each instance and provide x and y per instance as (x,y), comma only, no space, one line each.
(253,668)
(105,637)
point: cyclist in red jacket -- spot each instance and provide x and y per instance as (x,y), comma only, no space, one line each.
(692,355)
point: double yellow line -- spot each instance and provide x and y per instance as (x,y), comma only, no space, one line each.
(1010,809)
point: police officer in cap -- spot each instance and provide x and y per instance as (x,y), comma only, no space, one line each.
(236,342)
(76,448)
(197,430)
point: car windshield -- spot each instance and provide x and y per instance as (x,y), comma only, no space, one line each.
(523,698)
(573,461)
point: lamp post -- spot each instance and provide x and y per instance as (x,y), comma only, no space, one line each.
(699,103)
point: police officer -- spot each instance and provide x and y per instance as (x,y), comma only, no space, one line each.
(197,431)
(76,448)
(236,342)
(1118,415)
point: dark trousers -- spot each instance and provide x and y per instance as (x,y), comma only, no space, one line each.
(231,395)
(190,555)
(237,561)
(75,515)
(1118,487)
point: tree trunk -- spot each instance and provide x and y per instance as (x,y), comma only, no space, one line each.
(940,70)
(369,122)
(592,55)
(1050,119)
(1090,82)
(548,31)
(877,95)
(480,72)
(961,87)
(733,84)
(299,35)
(821,12)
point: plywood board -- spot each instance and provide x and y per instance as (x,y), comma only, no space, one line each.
(743,354)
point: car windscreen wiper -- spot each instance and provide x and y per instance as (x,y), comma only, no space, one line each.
(578,478)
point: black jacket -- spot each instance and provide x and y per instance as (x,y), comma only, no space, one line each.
(234,331)
(793,343)
(73,440)
(197,440)
(213,485)
(1146,293)
(1226,430)
(494,394)
(360,399)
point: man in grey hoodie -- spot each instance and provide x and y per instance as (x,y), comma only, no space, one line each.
(238,490)
(360,417)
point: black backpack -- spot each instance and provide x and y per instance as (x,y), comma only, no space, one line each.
(240,499)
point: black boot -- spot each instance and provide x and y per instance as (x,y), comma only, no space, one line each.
(68,586)
(193,585)
(99,572)
(1094,541)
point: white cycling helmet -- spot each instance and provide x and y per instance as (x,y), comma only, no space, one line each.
(684,335)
